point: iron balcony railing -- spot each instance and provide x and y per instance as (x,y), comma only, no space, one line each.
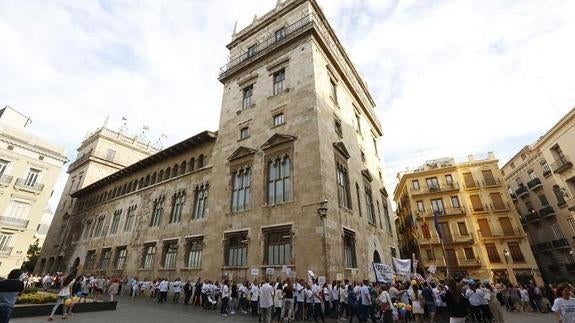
(267,44)
(534,183)
(14,222)
(521,190)
(5,179)
(560,243)
(491,182)
(532,216)
(6,251)
(546,211)
(443,187)
(499,233)
(471,184)
(21,183)
(562,164)
(543,246)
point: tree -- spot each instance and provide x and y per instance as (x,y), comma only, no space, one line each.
(32,256)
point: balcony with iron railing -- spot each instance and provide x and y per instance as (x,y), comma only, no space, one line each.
(450,211)
(6,251)
(14,222)
(491,182)
(22,184)
(522,191)
(534,184)
(547,211)
(439,188)
(547,172)
(267,45)
(532,217)
(560,243)
(543,246)
(499,233)
(471,185)
(5,179)
(570,267)
(562,164)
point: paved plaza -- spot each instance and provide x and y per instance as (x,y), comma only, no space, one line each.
(144,310)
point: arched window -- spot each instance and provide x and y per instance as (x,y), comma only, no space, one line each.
(153,179)
(167,173)
(124,188)
(200,161)
(200,201)
(175,171)
(183,168)
(141,185)
(192,164)
(279,180)
(114,192)
(161,176)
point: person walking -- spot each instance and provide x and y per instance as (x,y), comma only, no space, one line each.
(352,304)
(288,301)
(9,290)
(564,305)
(476,297)
(225,298)
(177,286)
(113,289)
(457,303)
(278,302)
(234,298)
(63,295)
(386,305)
(365,298)
(254,297)
(163,287)
(187,292)
(494,304)
(266,298)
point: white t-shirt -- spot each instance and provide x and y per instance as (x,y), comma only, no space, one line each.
(316,290)
(308,296)
(326,294)
(255,293)
(177,286)
(266,296)
(163,286)
(566,308)
(365,297)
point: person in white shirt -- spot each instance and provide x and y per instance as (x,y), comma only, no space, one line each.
(177,286)
(164,286)
(326,293)
(365,298)
(266,297)
(334,299)
(343,301)
(308,301)
(564,305)
(317,310)
(476,297)
(243,293)
(300,299)
(254,292)
(225,297)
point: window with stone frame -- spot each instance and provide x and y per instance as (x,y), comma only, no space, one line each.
(121,254)
(105,257)
(342,177)
(98,231)
(349,255)
(492,253)
(200,201)
(241,182)
(277,250)
(279,81)
(279,181)
(116,221)
(170,253)
(247,92)
(236,249)
(515,251)
(177,206)
(369,203)
(157,210)
(194,251)
(90,261)
(149,256)
(386,214)
(87,229)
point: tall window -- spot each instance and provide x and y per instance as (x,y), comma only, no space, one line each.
(201,201)
(236,252)
(279,80)
(333,90)
(6,241)
(420,206)
(99,225)
(349,256)
(546,168)
(280,34)
(386,213)
(557,232)
(252,50)
(121,253)
(32,177)
(244,132)
(559,195)
(149,256)
(195,249)
(437,206)
(116,222)
(247,96)
(432,183)
(157,211)
(241,189)
(358,198)
(278,247)
(177,206)
(455,202)
(279,180)
(171,251)
(369,204)
(278,119)
(343,194)
(130,215)
(497,201)
(4,165)
(18,210)
(492,253)
(462,229)
(448,179)
(469,254)
(515,251)
(488,177)
(87,229)
(571,224)
(105,258)
(90,261)
(415,184)
(476,203)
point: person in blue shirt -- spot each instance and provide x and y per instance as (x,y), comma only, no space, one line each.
(352,304)
(9,290)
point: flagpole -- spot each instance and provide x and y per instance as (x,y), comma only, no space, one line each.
(440,236)
(445,257)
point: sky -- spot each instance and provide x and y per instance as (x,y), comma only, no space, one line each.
(450,78)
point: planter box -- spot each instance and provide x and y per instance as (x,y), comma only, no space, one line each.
(29,310)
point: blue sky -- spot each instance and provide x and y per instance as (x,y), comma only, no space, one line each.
(450,78)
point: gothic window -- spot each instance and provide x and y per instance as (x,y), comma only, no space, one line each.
(157,211)
(200,201)
(241,181)
(177,206)
(279,180)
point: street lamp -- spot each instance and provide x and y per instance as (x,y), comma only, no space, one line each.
(322,211)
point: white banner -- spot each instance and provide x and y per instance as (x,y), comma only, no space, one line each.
(402,266)
(383,273)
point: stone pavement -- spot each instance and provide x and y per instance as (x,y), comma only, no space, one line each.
(144,310)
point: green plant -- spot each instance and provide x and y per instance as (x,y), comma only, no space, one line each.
(36,298)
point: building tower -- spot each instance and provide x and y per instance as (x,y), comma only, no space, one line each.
(29,168)
(100,154)
(481,233)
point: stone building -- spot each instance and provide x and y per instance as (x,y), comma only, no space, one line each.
(291,181)
(29,168)
(541,180)
(481,234)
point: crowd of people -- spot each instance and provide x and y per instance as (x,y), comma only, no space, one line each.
(286,300)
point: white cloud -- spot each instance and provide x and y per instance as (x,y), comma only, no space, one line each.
(450,78)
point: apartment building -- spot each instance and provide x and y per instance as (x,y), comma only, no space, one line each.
(29,168)
(478,232)
(541,180)
(290,182)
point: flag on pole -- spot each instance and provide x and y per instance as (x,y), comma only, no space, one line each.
(437,226)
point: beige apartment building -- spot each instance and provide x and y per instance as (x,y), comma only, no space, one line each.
(291,181)
(541,180)
(29,168)
(481,232)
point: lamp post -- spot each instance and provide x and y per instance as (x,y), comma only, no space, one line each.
(506,254)
(322,211)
